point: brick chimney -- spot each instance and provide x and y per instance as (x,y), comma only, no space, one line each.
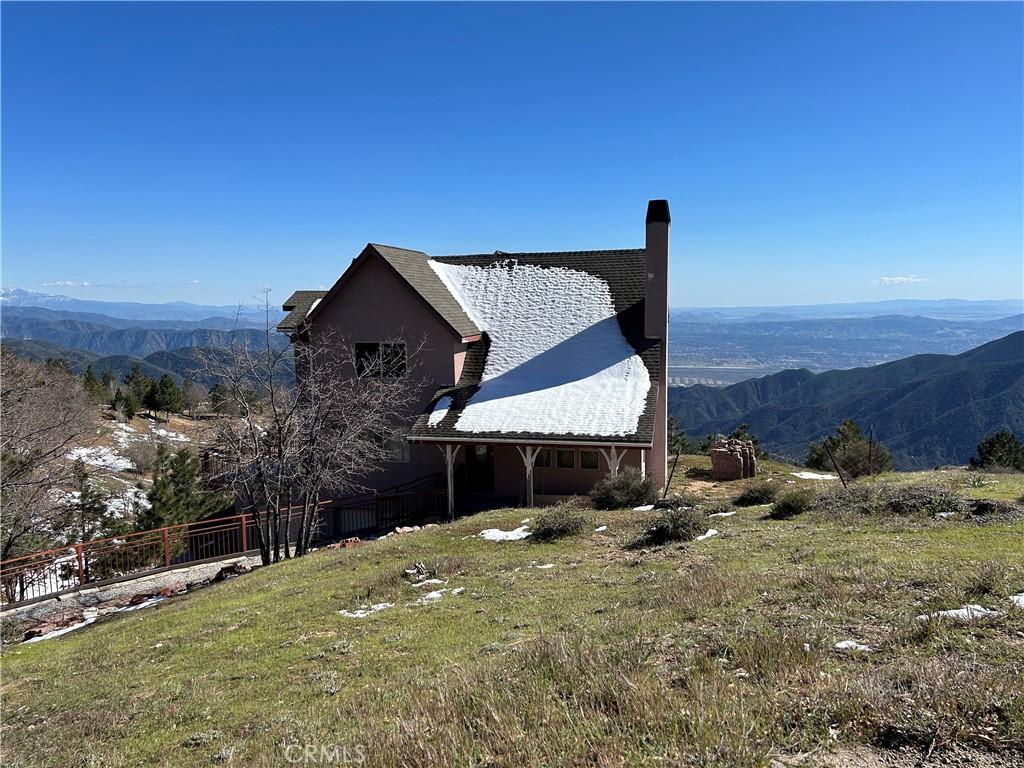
(656,327)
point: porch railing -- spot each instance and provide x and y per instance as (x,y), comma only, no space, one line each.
(102,561)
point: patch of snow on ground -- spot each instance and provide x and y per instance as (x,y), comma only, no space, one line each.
(88,618)
(433,597)
(366,610)
(814,476)
(104,457)
(440,411)
(601,528)
(555,350)
(170,434)
(130,501)
(970,612)
(711,532)
(431,582)
(852,645)
(722,514)
(496,534)
(1018,600)
(644,508)
(545,567)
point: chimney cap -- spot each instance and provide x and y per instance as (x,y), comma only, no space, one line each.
(657,211)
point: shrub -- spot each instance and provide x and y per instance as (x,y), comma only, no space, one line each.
(676,524)
(564,519)
(684,499)
(624,491)
(758,493)
(855,453)
(922,500)
(792,504)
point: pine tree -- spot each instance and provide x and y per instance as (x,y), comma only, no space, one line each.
(138,385)
(856,455)
(93,386)
(168,395)
(87,517)
(125,404)
(1000,449)
(178,494)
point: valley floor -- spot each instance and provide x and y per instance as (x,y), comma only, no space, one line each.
(583,651)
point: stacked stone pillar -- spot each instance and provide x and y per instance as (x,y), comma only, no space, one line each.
(732,459)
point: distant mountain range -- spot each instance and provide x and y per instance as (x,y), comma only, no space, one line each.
(928,409)
(725,352)
(104,335)
(132,310)
(941,309)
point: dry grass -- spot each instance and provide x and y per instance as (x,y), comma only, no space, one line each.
(716,653)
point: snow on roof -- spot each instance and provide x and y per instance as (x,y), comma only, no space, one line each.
(557,363)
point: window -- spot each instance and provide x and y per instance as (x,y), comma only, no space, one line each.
(380,360)
(565,458)
(543,458)
(398,448)
(588,459)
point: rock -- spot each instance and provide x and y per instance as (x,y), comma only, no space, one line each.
(235,569)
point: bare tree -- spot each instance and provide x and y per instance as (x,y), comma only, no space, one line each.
(312,419)
(43,410)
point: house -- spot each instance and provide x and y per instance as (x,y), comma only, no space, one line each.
(542,371)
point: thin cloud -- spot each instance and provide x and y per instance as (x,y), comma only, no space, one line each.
(67,284)
(887,282)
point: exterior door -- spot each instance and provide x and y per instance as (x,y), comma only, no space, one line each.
(480,469)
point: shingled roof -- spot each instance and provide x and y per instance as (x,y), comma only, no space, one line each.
(414,266)
(298,306)
(411,266)
(623,273)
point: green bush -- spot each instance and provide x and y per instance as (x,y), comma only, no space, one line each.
(758,493)
(565,519)
(675,524)
(792,504)
(624,491)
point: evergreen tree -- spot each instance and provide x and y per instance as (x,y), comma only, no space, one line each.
(93,386)
(1001,449)
(138,385)
(220,399)
(124,403)
(168,395)
(856,454)
(178,494)
(678,442)
(87,516)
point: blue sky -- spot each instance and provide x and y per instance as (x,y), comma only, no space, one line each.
(809,151)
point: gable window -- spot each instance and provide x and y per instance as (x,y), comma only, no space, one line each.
(380,359)
(397,447)
(543,458)
(565,458)
(588,459)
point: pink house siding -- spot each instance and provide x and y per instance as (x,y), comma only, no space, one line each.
(377,305)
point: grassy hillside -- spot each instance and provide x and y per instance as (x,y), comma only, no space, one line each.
(928,409)
(719,652)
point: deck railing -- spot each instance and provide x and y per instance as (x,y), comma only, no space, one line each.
(65,569)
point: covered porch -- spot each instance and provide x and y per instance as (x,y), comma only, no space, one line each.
(487,473)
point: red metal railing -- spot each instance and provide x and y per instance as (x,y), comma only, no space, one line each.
(67,568)
(54,571)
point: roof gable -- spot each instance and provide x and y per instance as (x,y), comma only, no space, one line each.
(412,267)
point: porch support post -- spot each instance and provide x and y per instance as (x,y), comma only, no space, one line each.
(529,455)
(643,463)
(613,458)
(450,452)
